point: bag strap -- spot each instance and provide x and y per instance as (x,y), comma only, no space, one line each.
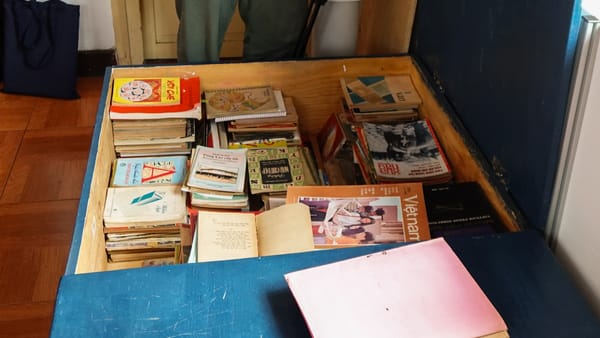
(34,32)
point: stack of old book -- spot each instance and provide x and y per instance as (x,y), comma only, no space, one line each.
(251,130)
(400,152)
(155,116)
(380,98)
(145,208)
(217,178)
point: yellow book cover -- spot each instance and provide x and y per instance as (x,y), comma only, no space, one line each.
(146,91)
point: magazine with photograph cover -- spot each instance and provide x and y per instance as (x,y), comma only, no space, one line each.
(407,151)
(364,214)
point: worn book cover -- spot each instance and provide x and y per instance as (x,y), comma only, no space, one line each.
(417,290)
(149,170)
(231,103)
(406,151)
(364,214)
(231,235)
(218,169)
(274,169)
(373,93)
(138,205)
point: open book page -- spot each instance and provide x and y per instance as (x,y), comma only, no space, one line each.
(225,235)
(284,229)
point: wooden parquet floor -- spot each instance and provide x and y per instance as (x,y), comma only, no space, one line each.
(44,148)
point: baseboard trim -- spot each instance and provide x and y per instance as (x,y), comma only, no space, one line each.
(94,62)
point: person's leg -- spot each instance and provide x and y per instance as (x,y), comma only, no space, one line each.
(272,27)
(202,26)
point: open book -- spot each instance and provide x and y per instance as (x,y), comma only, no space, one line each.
(417,290)
(231,235)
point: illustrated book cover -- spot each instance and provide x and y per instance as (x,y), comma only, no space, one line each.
(374,93)
(417,290)
(149,170)
(244,102)
(138,205)
(274,169)
(406,151)
(218,169)
(232,235)
(156,98)
(348,215)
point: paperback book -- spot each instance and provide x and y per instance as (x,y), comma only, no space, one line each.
(156,98)
(144,205)
(232,235)
(218,169)
(149,170)
(364,214)
(274,169)
(379,93)
(246,102)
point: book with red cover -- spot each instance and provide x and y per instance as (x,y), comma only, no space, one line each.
(186,103)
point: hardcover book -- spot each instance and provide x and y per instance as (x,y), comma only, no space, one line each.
(218,169)
(246,102)
(232,235)
(364,214)
(407,151)
(274,169)
(459,209)
(149,170)
(417,290)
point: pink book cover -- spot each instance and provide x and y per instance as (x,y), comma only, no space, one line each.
(417,290)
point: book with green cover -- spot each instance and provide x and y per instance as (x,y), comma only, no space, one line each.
(274,169)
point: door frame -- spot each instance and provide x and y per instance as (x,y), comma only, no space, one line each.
(127,24)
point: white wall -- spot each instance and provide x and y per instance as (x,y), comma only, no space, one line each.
(578,235)
(96,30)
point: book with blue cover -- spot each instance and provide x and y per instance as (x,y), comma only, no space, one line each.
(149,170)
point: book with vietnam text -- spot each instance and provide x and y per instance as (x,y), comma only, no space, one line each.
(345,215)
(232,235)
(417,290)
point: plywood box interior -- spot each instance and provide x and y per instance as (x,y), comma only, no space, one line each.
(315,88)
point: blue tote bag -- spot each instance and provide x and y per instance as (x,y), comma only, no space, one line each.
(40,48)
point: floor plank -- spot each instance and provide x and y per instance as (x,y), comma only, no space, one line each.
(44,147)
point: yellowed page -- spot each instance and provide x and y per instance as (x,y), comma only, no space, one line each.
(285,229)
(226,235)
